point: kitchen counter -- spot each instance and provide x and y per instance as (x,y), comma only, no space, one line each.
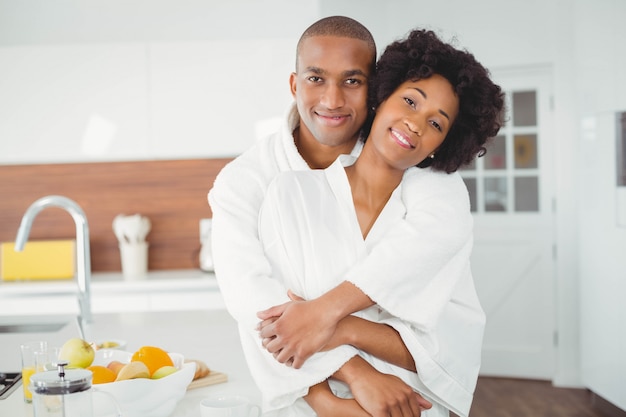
(208,335)
(165,290)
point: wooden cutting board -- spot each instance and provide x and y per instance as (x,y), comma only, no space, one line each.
(211,379)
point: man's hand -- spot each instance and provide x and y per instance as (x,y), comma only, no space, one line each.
(295,330)
(381,394)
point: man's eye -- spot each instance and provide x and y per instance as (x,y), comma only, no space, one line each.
(353,81)
(314,79)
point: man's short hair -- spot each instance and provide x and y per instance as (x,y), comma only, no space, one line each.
(340,26)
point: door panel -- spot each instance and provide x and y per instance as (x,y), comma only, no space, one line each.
(511,191)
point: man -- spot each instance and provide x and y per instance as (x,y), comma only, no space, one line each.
(335,57)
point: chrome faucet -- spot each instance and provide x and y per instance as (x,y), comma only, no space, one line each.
(83,259)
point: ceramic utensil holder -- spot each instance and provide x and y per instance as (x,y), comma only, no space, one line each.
(134,258)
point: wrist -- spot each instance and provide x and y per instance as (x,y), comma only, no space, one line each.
(347,332)
(353,370)
(343,300)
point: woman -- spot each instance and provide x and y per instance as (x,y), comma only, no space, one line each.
(435,108)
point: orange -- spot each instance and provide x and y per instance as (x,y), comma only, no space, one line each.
(101,374)
(153,357)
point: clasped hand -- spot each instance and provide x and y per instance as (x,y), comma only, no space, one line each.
(295,330)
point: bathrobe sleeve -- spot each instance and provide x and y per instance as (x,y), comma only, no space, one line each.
(296,242)
(425,254)
(241,267)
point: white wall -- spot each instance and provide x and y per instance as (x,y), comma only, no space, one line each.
(118,80)
(131,79)
(601,93)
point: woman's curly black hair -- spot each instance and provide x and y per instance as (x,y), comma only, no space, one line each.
(481,102)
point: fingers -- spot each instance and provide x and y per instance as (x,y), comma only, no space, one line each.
(275,311)
(297,362)
(294,297)
(277,351)
(423,403)
(262,326)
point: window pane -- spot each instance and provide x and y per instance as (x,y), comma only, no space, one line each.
(524,108)
(470,183)
(495,194)
(495,158)
(525,151)
(526,194)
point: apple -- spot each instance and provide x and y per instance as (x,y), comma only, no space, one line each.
(115,366)
(133,370)
(164,371)
(77,352)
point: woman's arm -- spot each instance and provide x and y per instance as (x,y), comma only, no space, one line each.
(377,339)
(325,404)
(380,394)
(307,326)
(430,246)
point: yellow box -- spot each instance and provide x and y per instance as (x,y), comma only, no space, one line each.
(43,259)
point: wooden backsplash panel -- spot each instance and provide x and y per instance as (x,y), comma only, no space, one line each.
(172,194)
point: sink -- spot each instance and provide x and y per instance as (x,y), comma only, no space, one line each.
(32,327)
(15,330)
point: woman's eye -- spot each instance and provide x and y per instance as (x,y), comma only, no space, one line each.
(436,125)
(409,102)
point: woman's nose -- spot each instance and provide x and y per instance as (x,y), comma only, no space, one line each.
(413,126)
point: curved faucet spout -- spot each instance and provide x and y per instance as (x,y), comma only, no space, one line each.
(83,259)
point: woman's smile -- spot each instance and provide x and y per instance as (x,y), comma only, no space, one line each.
(401,139)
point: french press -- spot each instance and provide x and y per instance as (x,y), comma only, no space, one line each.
(63,392)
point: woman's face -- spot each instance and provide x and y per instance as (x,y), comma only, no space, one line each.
(414,120)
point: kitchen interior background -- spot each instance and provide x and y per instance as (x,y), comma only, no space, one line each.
(109,81)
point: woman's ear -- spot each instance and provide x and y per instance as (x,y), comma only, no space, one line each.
(428,161)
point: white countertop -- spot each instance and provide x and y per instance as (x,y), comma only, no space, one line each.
(102,282)
(188,289)
(208,335)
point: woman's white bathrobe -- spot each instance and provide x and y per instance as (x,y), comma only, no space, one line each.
(311,236)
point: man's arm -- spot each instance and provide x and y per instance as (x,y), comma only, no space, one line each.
(242,270)
(377,339)
(383,394)
(307,326)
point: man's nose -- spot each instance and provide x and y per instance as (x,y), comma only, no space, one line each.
(333,97)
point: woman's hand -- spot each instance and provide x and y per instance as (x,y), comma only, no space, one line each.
(296,330)
(381,394)
(326,404)
(299,328)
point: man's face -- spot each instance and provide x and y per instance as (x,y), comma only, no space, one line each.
(330,89)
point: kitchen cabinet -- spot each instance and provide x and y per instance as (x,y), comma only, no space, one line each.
(161,291)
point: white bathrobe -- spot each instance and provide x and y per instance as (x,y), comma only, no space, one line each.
(311,236)
(425,254)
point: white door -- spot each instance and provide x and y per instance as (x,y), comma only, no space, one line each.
(511,191)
